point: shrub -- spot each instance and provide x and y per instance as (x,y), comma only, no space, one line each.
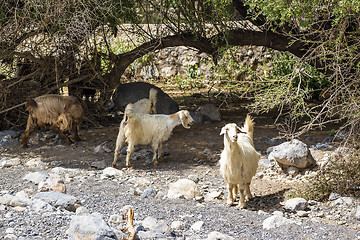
(341,175)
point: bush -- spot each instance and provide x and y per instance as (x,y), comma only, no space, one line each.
(341,175)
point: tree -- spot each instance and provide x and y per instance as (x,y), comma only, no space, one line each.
(60,43)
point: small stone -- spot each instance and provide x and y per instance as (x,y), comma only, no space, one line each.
(342,201)
(357,214)
(149,223)
(90,227)
(213,195)
(161,227)
(296,204)
(149,192)
(302,213)
(110,172)
(183,187)
(9,162)
(278,213)
(35,163)
(178,225)
(334,196)
(115,219)
(197,226)
(275,221)
(81,210)
(53,183)
(218,236)
(36,177)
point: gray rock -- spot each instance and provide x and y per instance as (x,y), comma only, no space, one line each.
(6,199)
(149,192)
(82,210)
(210,112)
(161,227)
(293,153)
(357,213)
(149,223)
(36,177)
(99,164)
(334,196)
(183,187)
(150,235)
(149,72)
(342,201)
(35,163)
(134,91)
(115,219)
(296,204)
(302,213)
(11,133)
(58,200)
(7,142)
(219,236)
(275,221)
(178,225)
(90,227)
(53,183)
(41,206)
(21,199)
(9,162)
(197,117)
(110,172)
(197,226)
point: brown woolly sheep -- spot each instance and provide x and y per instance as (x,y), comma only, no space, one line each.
(62,113)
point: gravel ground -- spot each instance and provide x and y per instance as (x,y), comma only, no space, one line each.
(110,196)
(192,154)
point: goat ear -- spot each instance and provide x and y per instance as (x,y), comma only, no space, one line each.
(223,130)
(31,104)
(182,115)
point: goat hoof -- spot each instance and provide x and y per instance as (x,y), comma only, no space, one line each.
(155,164)
(114,165)
(241,206)
(229,202)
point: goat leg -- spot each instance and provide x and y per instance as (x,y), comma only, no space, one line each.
(75,132)
(119,144)
(248,194)
(242,203)
(129,151)
(160,152)
(156,149)
(230,199)
(30,127)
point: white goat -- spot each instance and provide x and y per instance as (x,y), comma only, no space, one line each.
(146,105)
(239,160)
(143,129)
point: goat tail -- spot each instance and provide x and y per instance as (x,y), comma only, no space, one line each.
(152,98)
(249,126)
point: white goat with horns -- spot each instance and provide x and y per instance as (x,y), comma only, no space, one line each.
(239,160)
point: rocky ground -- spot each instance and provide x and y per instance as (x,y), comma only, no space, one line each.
(95,196)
